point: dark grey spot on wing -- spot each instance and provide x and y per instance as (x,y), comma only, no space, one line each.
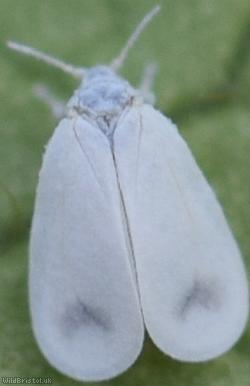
(80,315)
(203,295)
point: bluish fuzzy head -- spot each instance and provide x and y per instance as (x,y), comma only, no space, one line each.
(102,90)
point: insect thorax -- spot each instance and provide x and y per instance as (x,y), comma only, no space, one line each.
(102,97)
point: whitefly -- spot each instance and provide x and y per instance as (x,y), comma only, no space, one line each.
(126,234)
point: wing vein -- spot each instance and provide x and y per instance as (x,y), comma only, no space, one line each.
(88,159)
(138,153)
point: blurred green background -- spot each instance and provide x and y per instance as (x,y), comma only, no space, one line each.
(202,50)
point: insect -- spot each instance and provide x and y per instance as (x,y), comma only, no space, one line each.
(127,233)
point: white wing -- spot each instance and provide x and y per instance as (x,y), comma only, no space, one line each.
(84,303)
(191,278)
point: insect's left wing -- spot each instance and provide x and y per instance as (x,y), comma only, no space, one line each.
(191,278)
(84,302)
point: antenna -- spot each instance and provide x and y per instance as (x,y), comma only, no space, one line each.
(77,72)
(119,60)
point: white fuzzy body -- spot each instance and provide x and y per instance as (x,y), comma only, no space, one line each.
(127,229)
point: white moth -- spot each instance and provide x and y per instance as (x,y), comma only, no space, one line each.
(127,233)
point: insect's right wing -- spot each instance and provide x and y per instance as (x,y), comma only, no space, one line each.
(84,303)
(191,278)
